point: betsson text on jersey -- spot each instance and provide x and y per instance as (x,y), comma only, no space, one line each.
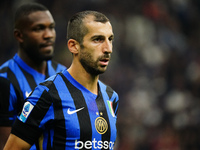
(94,144)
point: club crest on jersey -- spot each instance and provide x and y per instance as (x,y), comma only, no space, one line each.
(25,111)
(101,125)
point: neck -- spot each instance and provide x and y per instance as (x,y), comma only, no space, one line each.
(84,78)
(39,66)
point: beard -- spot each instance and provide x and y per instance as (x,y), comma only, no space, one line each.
(36,55)
(90,65)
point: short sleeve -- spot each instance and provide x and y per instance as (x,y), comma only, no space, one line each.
(34,115)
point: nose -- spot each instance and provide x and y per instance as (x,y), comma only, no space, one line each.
(107,46)
(49,33)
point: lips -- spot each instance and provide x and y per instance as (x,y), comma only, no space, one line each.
(47,45)
(104,61)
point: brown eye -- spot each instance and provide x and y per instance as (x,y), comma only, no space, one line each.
(39,28)
(52,27)
(111,39)
(99,39)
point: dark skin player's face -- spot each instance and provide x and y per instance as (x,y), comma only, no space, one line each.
(38,36)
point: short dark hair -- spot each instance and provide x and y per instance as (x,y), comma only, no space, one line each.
(26,9)
(77,30)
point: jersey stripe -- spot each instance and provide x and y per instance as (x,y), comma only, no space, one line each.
(59,132)
(11,76)
(54,65)
(3,70)
(47,72)
(102,109)
(30,79)
(109,91)
(4,95)
(44,103)
(79,101)
(49,142)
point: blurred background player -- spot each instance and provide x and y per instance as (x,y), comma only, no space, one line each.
(34,29)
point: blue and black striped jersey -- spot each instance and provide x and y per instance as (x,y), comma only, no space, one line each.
(17,80)
(68,115)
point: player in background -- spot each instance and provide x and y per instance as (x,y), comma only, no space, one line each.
(34,30)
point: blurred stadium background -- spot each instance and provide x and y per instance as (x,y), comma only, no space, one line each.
(155,66)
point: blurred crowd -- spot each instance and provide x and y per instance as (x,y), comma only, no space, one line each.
(155,66)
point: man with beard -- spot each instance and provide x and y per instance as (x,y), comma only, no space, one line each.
(34,29)
(74,109)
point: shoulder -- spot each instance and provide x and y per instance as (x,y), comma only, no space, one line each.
(56,66)
(106,88)
(6,65)
(8,71)
(54,80)
(47,90)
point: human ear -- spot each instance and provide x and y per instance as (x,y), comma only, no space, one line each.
(73,46)
(18,35)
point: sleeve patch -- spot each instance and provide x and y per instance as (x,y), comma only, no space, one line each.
(27,108)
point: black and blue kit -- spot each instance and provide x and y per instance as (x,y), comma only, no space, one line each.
(68,116)
(17,80)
